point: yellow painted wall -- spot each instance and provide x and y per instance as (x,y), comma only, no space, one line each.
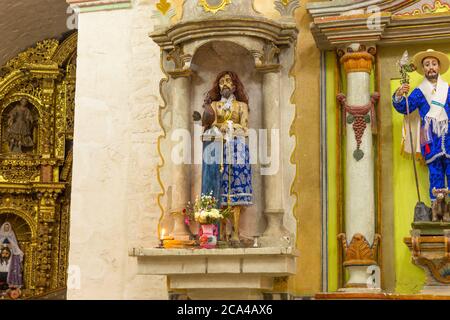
(332,113)
(308,280)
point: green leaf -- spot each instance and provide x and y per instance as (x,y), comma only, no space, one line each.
(367,118)
(358,154)
(350,119)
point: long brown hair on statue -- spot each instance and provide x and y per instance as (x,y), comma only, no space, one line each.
(214,93)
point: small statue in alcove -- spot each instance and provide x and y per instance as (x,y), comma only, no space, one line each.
(11,260)
(19,130)
(226,169)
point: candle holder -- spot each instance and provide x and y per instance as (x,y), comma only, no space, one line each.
(255,242)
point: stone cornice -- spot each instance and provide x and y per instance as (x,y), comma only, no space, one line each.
(99,5)
(334,31)
(281,34)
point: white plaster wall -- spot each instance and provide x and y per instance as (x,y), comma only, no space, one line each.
(114,189)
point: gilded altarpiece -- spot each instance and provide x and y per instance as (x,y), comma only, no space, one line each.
(37,90)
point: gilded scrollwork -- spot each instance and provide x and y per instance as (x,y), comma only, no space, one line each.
(41,53)
(19,173)
(35,182)
(214,6)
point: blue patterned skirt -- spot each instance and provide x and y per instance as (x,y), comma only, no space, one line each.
(237,174)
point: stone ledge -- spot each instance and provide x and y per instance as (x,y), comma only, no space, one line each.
(245,272)
(265,261)
(139,252)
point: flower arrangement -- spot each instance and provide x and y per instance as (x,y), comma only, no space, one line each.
(204,210)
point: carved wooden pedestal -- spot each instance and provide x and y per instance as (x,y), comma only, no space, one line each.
(430,248)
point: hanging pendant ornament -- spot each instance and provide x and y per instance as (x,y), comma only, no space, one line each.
(213,5)
(359,117)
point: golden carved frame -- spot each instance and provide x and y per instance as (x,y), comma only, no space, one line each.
(35,187)
(213,8)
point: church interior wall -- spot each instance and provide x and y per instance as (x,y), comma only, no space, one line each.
(115,155)
(119,194)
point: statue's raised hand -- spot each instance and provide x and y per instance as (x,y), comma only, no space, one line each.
(196,116)
(404,89)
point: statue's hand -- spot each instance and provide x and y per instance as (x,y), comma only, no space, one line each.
(239,128)
(404,89)
(196,116)
(224,127)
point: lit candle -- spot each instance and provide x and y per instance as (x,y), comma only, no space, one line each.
(161,240)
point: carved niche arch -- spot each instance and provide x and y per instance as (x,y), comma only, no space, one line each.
(271,47)
(25,231)
(8,106)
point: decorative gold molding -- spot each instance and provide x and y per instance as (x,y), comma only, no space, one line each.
(213,8)
(163,6)
(160,165)
(437,7)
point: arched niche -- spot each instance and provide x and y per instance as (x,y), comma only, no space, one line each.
(262,52)
(25,235)
(211,58)
(11,117)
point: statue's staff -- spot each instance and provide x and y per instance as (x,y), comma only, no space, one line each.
(405,68)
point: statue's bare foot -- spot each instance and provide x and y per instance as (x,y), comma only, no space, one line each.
(235,241)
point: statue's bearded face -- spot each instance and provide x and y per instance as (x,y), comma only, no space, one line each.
(226,86)
(431,68)
(5,255)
